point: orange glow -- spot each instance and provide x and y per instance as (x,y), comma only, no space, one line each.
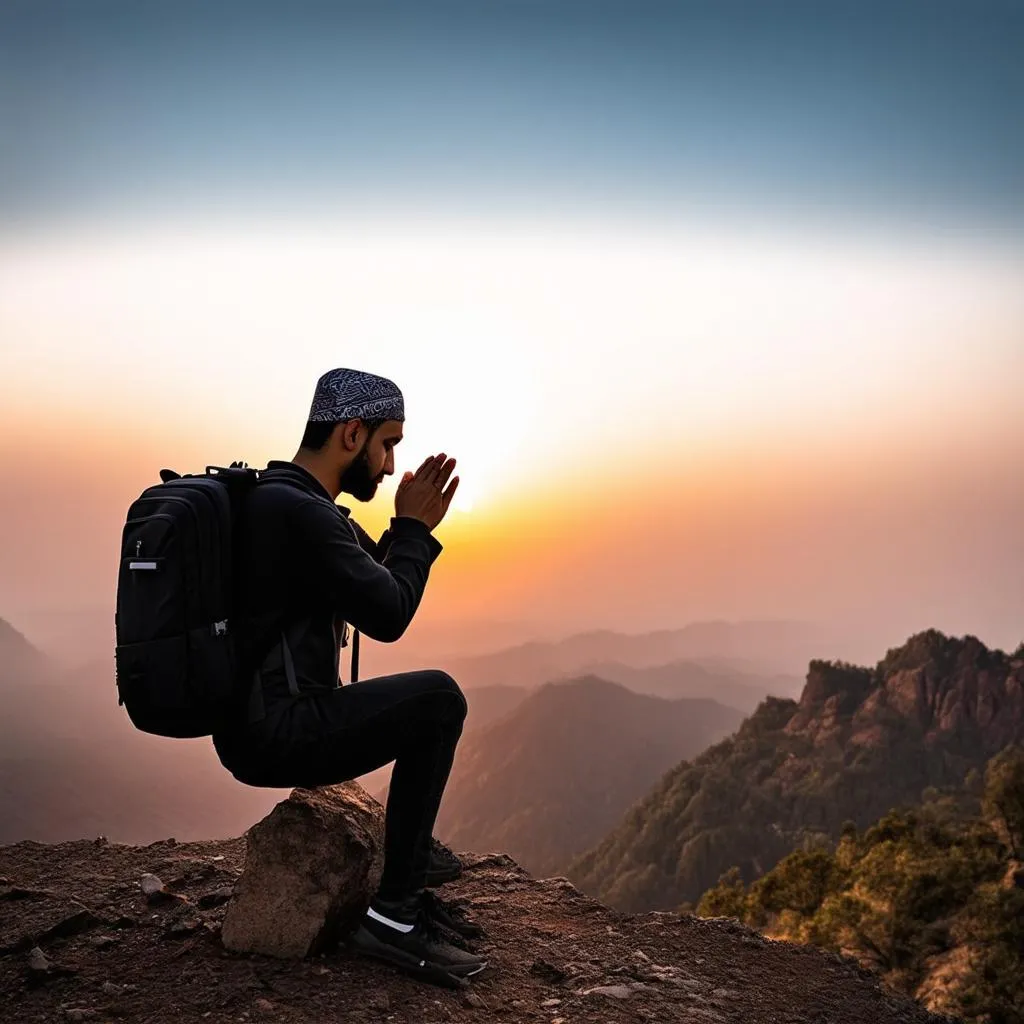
(649,427)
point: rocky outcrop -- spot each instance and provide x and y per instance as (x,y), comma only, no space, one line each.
(84,939)
(310,868)
(947,689)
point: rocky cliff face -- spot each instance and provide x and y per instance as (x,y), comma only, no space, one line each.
(859,742)
(91,930)
(950,690)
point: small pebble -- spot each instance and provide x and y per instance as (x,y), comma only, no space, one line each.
(473,1000)
(183,926)
(110,989)
(150,885)
(217,896)
(38,960)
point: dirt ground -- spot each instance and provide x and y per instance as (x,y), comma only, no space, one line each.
(556,956)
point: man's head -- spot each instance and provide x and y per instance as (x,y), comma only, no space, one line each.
(354,423)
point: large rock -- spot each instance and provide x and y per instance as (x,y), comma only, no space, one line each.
(311,866)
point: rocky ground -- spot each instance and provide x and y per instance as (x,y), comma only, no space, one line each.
(81,940)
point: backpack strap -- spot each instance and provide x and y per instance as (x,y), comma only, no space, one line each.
(289,666)
(256,710)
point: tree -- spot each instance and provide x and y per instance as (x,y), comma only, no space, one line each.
(1003,801)
(727,899)
(993,990)
(799,882)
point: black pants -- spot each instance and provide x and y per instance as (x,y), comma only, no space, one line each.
(413,718)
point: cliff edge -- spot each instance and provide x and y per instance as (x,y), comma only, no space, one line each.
(81,940)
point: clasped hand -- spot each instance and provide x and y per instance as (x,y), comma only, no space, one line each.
(422,495)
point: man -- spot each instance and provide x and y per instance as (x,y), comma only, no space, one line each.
(305,571)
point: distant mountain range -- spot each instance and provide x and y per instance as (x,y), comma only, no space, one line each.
(72,765)
(753,648)
(676,681)
(693,679)
(735,664)
(20,658)
(71,762)
(859,742)
(70,638)
(550,777)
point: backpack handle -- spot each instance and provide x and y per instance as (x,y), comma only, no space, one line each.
(167,475)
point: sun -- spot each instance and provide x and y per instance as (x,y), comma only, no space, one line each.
(471,388)
(464,499)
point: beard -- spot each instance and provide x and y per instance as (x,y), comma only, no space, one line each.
(356,479)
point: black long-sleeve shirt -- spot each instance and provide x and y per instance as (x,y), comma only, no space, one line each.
(304,567)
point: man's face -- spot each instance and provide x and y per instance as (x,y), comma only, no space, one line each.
(375,461)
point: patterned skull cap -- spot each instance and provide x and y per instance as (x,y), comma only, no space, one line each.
(344,394)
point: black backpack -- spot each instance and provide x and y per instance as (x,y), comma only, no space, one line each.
(175,632)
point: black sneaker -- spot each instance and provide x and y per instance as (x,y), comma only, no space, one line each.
(450,915)
(444,865)
(414,943)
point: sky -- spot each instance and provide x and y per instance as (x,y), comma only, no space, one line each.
(718,306)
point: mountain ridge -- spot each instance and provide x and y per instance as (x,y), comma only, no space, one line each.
(859,741)
(765,647)
(554,773)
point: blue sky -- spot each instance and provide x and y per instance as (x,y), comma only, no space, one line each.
(896,111)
